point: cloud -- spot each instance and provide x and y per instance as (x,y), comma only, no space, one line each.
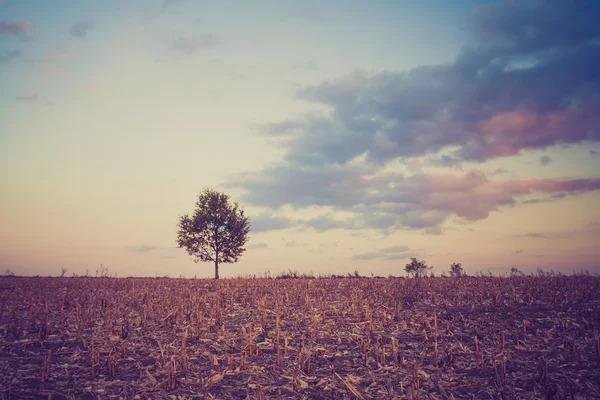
(528,78)
(192,45)
(391,201)
(14,28)
(546,199)
(433,230)
(292,243)
(545,160)
(144,248)
(265,222)
(592,228)
(527,27)
(260,245)
(81,29)
(9,56)
(400,256)
(482,111)
(476,108)
(324,223)
(29,97)
(301,185)
(498,171)
(593,153)
(560,235)
(532,235)
(366,256)
(394,249)
(398,252)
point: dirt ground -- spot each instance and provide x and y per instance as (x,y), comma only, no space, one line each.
(434,338)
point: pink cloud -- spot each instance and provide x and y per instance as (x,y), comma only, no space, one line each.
(511,121)
(389,201)
(478,201)
(469,194)
(449,182)
(509,133)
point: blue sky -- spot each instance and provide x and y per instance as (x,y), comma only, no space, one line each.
(356,135)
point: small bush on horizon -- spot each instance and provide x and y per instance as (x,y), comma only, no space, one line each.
(456,270)
(417,268)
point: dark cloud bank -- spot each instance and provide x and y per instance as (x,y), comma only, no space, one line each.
(528,78)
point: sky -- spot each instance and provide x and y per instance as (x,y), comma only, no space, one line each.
(355,135)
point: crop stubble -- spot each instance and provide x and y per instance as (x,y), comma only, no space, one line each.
(435,338)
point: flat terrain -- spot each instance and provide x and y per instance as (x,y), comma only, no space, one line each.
(433,338)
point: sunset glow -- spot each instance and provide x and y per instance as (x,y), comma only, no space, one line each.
(354,134)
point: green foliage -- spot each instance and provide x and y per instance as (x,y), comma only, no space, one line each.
(216,232)
(417,268)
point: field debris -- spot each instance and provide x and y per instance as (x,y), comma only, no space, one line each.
(520,337)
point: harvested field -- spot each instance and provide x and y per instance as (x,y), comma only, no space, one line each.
(434,338)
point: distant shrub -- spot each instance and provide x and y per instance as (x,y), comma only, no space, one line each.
(456,270)
(293,274)
(417,268)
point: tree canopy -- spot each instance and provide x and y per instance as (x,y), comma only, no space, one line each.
(417,268)
(456,270)
(216,232)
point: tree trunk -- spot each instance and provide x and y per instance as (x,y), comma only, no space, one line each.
(216,258)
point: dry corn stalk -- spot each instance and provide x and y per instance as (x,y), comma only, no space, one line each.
(350,387)
(277,345)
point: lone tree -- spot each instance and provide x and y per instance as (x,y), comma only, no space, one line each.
(216,232)
(456,270)
(417,268)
